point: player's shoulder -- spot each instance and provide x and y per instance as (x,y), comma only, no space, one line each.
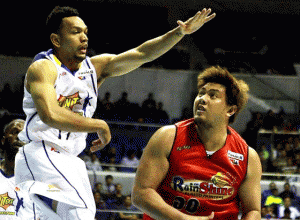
(102,59)
(42,65)
(165,134)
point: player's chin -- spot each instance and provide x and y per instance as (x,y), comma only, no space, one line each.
(80,57)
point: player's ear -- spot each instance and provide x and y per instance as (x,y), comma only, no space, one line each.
(232,110)
(55,40)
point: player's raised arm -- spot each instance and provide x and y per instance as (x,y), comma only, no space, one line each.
(108,65)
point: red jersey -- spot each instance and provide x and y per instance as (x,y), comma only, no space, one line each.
(197,184)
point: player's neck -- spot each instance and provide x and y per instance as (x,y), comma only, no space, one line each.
(71,64)
(213,138)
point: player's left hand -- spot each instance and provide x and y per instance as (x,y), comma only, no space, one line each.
(195,23)
(97,145)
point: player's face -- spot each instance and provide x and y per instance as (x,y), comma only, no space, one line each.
(210,105)
(73,38)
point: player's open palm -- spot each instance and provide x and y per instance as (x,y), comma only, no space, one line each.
(195,23)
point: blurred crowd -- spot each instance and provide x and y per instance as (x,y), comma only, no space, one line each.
(275,136)
(280,205)
(112,203)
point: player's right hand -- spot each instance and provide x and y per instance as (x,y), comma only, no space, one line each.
(104,138)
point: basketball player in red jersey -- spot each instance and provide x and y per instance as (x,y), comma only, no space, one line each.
(201,168)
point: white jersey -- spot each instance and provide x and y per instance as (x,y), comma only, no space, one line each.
(12,200)
(76,91)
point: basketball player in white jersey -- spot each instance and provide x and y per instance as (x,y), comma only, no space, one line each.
(12,200)
(61,87)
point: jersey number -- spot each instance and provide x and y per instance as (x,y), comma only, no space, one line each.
(190,206)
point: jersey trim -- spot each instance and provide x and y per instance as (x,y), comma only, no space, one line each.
(176,130)
(27,162)
(27,134)
(2,172)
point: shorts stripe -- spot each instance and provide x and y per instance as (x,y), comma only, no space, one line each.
(32,178)
(62,174)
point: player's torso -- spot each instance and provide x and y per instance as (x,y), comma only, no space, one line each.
(198,184)
(76,91)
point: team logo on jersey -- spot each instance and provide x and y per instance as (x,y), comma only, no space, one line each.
(69,101)
(6,201)
(235,158)
(82,77)
(219,187)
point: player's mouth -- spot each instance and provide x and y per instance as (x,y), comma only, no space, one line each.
(200,109)
(83,49)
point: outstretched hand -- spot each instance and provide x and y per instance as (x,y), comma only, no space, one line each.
(195,23)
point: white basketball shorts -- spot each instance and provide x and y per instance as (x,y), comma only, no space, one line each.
(40,169)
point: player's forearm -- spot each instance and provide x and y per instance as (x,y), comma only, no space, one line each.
(156,47)
(150,202)
(67,120)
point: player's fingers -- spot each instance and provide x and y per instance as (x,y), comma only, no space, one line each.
(211,216)
(181,24)
(207,19)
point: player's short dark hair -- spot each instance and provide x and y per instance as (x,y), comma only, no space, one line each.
(55,18)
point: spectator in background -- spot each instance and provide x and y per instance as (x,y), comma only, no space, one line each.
(287,214)
(287,192)
(127,206)
(105,107)
(149,102)
(268,192)
(109,187)
(271,212)
(297,144)
(264,157)
(290,167)
(294,212)
(161,115)
(123,106)
(94,164)
(149,109)
(117,197)
(252,129)
(274,199)
(112,165)
(100,205)
(270,120)
(280,162)
(130,161)
(98,187)
(264,211)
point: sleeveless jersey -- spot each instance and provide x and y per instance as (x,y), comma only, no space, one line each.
(12,200)
(76,91)
(196,183)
